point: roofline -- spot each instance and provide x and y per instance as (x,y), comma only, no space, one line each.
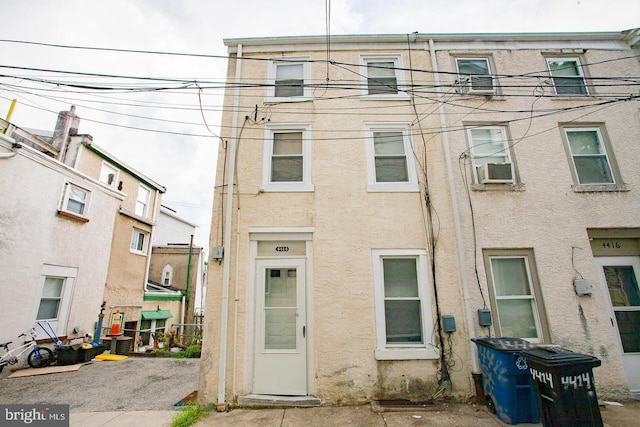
(121,165)
(620,36)
(170,212)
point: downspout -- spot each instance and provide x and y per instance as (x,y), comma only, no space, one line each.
(151,235)
(186,292)
(224,316)
(444,132)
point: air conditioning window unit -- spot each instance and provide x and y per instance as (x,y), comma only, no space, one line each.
(478,85)
(495,173)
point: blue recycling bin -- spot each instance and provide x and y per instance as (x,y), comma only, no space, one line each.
(506,380)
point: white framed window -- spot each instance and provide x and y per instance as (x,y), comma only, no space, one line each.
(382,76)
(167,275)
(57,284)
(490,154)
(590,161)
(390,162)
(109,175)
(142,201)
(475,75)
(567,76)
(139,241)
(402,305)
(287,158)
(75,200)
(289,79)
(515,294)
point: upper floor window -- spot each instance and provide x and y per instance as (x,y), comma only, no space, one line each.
(391,166)
(139,241)
(382,76)
(592,164)
(475,75)
(287,159)
(75,200)
(289,79)
(490,155)
(403,315)
(567,76)
(142,201)
(108,174)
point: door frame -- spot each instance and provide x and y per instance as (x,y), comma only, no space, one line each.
(263,234)
(600,262)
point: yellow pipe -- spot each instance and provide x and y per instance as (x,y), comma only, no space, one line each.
(10,113)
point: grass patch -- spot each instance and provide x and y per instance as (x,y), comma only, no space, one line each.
(188,415)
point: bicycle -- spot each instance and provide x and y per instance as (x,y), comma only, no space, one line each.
(39,357)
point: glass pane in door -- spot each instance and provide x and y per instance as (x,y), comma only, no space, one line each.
(280,308)
(622,284)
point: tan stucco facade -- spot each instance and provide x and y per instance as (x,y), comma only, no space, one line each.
(345,220)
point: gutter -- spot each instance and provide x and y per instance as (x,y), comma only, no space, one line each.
(444,132)
(224,317)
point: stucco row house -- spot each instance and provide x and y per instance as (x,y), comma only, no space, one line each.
(382,199)
(77,226)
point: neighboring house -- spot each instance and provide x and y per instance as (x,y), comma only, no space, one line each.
(135,218)
(175,279)
(52,271)
(412,177)
(135,224)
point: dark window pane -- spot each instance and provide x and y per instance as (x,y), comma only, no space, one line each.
(286,169)
(403,321)
(286,88)
(391,169)
(400,277)
(593,170)
(629,327)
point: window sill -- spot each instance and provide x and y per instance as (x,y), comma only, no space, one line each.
(393,188)
(600,188)
(137,252)
(284,188)
(400,97)
(576,97)
(281,99)
(498,187)
(407,353)
(73,216)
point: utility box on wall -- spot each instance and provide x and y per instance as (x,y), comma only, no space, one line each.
(448,323)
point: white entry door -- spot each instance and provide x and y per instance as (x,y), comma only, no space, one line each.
(619,275)
(280,361)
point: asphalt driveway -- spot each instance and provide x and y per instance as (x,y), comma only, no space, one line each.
(134,384)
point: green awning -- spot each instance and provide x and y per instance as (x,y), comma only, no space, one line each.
(156,314)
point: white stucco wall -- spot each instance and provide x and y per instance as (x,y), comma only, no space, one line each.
(32,235)
(544,215)
(172,229)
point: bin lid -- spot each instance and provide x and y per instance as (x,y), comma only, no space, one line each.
(558,356)
(504,343)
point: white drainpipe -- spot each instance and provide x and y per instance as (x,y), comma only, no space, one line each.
(456,214)
(224,316)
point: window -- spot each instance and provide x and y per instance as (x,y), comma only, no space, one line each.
(391,166)
(515,293)
(567,76)
(287,159)
(76,200)
(108,175)
(403,308)
(51,296)
(289,79)
(142,202)
(382,76)
(591,163)
(475,75)
(139,241)
(55,296)
(167,275)
(490,154)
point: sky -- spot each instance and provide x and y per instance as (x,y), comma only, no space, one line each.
(170,135)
